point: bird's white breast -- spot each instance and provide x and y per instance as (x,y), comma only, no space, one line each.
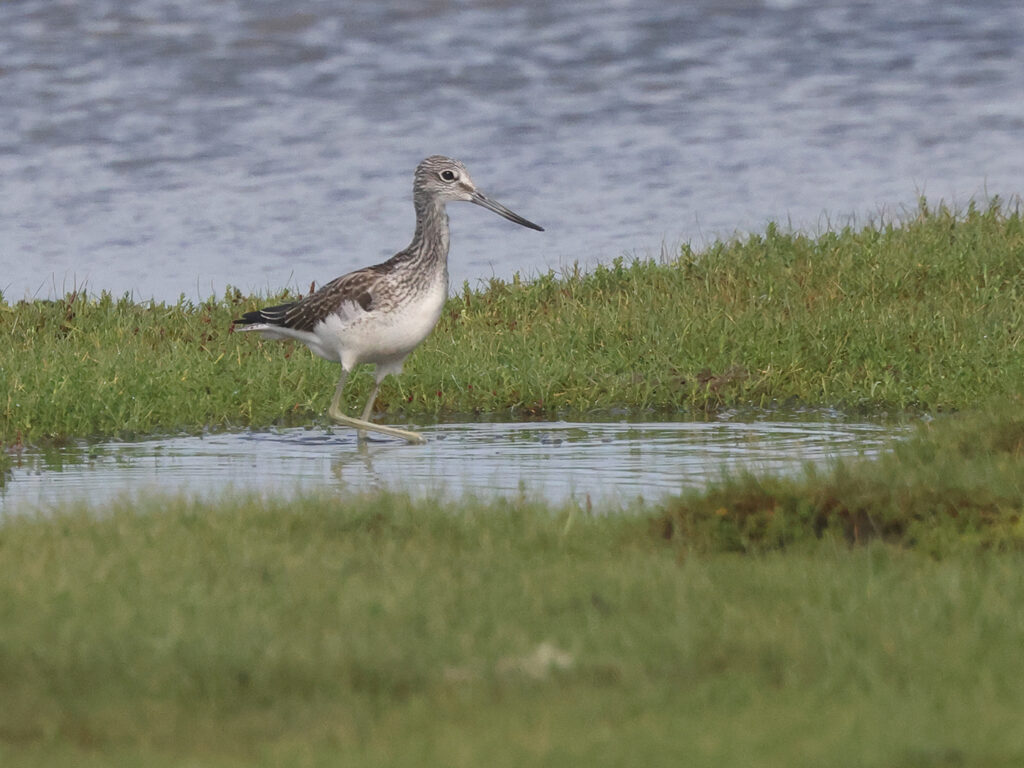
(384,336)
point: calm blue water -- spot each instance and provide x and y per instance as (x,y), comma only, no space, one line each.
(167,148)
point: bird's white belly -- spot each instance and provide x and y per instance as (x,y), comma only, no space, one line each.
(386,336)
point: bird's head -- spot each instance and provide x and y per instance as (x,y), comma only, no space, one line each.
(447,180)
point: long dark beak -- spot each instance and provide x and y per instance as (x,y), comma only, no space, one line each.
(501,210)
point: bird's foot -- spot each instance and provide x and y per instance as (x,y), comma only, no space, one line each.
(414,438)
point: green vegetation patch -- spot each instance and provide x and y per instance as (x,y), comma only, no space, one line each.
(924,314)
(957,482)
(380,631)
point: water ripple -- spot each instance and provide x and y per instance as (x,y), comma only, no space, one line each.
(164,148)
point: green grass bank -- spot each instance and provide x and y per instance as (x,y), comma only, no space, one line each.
(924,313)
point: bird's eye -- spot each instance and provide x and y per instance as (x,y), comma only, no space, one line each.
(448,176)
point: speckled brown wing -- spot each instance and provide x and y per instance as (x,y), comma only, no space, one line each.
(354,289)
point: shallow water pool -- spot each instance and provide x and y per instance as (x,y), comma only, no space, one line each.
(611,464)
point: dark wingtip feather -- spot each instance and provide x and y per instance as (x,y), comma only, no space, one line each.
(249,318)
(271,315)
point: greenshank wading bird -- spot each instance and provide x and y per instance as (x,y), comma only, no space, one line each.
(380,314)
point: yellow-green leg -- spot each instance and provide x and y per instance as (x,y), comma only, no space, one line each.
(364,424)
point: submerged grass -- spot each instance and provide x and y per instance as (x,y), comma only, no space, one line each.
(958,481)
(380,631)
(924,313)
